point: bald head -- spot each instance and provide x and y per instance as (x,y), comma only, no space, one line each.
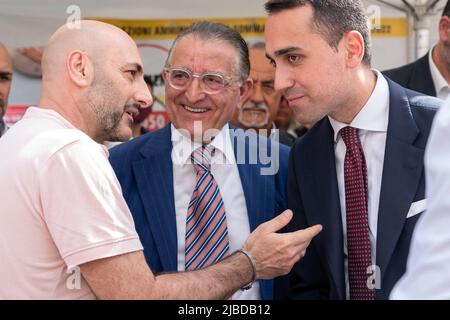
(93,76)
(5,78)
(94,38)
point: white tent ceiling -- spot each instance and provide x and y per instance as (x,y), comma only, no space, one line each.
(136,9)
(30,22)
(152,9)
(30,19)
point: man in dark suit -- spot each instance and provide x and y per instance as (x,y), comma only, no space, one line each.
(206,76)
(431,73)
(359,170)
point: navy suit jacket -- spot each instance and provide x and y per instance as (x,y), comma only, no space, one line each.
(415,76)
(144,169)
(313,195)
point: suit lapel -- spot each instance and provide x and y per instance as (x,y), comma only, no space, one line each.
(154,177)
(403,165)
(321,181)
(259,190)
(421,79)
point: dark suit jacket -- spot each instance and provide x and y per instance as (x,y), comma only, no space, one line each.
(313,195)
(286,138)
(144,169)
(415,76)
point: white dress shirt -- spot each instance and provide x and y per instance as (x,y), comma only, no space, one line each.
(440,84)
(427,273)
(226,174)
(372,122)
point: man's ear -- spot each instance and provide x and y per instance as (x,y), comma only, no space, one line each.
(245,92)
(80,68)
(444,27)
(353,44)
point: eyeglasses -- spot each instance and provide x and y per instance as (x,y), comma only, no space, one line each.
(210,82)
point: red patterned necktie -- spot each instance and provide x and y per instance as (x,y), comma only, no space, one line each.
(206,240)
(356,203)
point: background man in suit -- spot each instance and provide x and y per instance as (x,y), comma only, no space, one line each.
(359,170)
(431,73)
(5,83)
(261,107)
(193,197)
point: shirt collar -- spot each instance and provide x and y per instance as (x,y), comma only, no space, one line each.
(374,116)
(38,112)
(273,131)
(183,146)
(439,81)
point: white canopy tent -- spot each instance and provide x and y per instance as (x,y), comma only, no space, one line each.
(30,22)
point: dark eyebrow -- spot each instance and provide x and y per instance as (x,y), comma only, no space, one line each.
(268,82)
(136,66)
(285,51)
(5,73)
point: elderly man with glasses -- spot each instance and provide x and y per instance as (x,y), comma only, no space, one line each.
(198,187)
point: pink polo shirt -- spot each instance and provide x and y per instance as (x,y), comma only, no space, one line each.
(60,206)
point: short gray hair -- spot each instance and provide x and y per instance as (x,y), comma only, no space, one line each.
(207,30)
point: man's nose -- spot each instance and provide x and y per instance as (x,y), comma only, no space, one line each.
(143,95)
(194,91)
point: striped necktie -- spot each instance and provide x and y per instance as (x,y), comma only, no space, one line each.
(206,240)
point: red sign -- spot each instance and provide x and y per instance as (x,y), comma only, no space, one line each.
(156,120)
(14,114)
